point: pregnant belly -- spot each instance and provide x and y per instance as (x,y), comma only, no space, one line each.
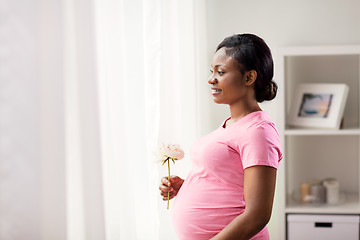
(201,211)
(199,224)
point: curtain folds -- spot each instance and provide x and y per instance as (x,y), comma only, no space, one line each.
(89,88)
(148,94)
(133,72)
(129,116)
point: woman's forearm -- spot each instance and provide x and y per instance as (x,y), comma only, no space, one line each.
(259,187)
(243,226)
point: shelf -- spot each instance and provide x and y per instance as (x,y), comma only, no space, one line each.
(320,153)
(351,205)
(313,132)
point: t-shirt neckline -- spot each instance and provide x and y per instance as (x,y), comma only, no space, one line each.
(240,120)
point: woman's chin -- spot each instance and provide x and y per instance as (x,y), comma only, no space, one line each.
(218,101)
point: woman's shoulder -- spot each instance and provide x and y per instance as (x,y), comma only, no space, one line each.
(256,123)
(260,125)
(259,119)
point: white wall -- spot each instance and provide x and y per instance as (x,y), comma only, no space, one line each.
(281,23)
(31,146)
(19,122)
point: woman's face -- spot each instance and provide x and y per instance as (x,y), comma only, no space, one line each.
(227,82)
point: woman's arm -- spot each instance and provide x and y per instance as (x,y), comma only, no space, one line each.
(259,188)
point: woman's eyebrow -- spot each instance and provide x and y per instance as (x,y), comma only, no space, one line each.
(218,65)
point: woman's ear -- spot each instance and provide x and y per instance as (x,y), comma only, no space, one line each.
(250,77)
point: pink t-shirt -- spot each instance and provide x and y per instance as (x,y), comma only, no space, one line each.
(213,192)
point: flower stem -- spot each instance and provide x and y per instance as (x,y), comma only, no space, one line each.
(169,181)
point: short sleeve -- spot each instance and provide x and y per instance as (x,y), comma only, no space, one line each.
(260,145)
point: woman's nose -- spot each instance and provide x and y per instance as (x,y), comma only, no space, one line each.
(212,80)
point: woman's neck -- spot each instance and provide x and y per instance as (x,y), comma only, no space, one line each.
(240,110)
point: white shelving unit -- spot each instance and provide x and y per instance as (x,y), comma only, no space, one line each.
(319,153)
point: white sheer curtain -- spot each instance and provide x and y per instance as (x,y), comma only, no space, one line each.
(88,90)
(148,85)
(133,71)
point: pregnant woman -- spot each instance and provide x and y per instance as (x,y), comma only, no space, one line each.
(228,193)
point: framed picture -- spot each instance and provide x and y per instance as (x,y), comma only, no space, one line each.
(318,105)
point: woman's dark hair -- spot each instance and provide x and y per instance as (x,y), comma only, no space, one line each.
(252,53)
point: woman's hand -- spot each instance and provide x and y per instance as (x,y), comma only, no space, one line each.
(173,186)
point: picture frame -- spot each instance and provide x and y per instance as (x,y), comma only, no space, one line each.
(318,105)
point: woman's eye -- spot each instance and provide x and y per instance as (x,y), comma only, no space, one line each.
(218,72)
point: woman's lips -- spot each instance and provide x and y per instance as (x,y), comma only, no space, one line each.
(215,91)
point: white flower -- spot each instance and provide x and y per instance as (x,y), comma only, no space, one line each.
(167,152)
(172,151)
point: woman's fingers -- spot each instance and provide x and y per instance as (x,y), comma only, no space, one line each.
(166,189)
(165,181)
(171,195)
